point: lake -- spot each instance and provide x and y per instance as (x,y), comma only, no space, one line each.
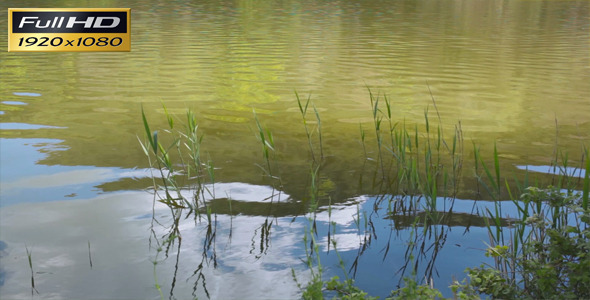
(76,187)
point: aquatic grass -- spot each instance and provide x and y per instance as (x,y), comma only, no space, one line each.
(155,273)
(586,188)
(414,174)
(174,177)
(493,188)
(546,221)
(316,286)
(377,120)
(547,252)
(414,168)
(316,162)
(362,132)
(267,141)
(30,259)
(182,170)
(89,255)
(303,110)
(410,165)
(211,172)
(319,130)
(530,202)
(507,244)
(163,163)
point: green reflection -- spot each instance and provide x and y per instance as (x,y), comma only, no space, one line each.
(505,69)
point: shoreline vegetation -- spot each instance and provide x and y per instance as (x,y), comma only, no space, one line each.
(541,252)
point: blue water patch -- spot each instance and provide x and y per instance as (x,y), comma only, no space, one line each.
(375,248)
(23,179)
(14,103)
(58,183)
(26,94)
(569,171)
(274,266)
(1,112)
(25,126)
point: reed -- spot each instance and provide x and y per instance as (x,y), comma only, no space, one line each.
(586,187)
(416,171)
(179,169)
(410,176)
(30,259)
(187,171)
(268,149)
(309,133)
(531,258)
(89,255)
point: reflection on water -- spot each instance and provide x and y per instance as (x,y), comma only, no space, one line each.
(24,180)
(234,258)
(567,171)
(505,69)
(26,94)
(14,103)
(25,126)
(69,124)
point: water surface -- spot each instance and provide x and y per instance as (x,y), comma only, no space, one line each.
(515,72)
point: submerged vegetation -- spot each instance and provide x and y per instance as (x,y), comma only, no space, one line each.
(415,176)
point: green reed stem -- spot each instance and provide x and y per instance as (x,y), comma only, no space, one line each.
(586,187)
(29,256)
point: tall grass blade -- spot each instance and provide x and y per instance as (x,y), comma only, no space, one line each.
(29,256)
(493,183)
(586,188)
(168,117)
(147,130)
(317,115)
(497,168)
(89,255)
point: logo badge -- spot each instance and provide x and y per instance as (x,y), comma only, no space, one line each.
(69,29)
